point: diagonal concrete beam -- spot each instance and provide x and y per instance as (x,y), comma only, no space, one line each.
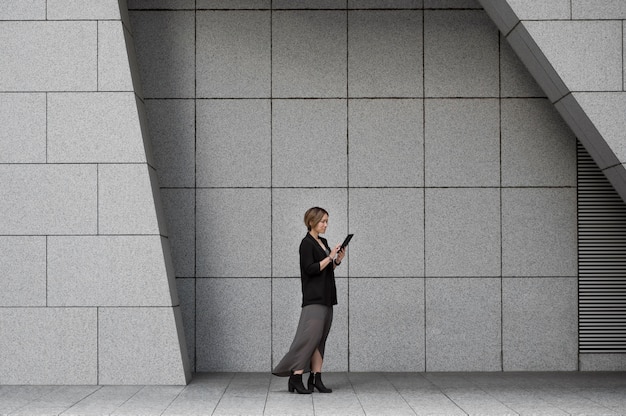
(578,61)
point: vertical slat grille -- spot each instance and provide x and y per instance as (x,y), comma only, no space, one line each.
(601,261)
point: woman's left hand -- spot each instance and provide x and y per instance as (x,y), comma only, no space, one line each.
(340,255)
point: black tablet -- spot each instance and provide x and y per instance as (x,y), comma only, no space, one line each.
(346,241)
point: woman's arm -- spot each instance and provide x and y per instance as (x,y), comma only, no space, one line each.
(309,263)
(330,259)
(324,263)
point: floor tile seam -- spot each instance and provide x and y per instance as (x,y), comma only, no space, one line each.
(166,408)
(81,400)
(267,393)
(445,394)
(386,375)
(490,394)
(582,394)
(356,395)
(546,397)
(455,401)
(433,388)
(59,407)
(127,400)
(34,400)
(230,381)
(539,396)
(312,399)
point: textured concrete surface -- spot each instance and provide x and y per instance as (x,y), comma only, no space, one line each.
(83,228)
(390,320)
(23,271)
(319,53)
(463,323)
(34,203)
(462,62)
(385,147)
(248,332)
(231,62)
(369,54)
(300,128)
(549,150)
(41,343)
(75,276)
(539,324)
(453,246)
(141,346)
(90,128)
(358,394)
(310,46)
(23,136)
(462,142)
(588,34)
(537,241)
(54,47)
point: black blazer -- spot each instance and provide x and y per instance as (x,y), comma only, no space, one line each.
(318,286)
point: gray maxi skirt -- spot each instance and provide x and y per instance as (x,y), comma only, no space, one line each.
(312,332)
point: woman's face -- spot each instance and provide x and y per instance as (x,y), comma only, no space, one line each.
(320,227)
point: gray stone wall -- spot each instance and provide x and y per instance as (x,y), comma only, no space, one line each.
(417,127)
(575,51)
(86,281)
(413,121)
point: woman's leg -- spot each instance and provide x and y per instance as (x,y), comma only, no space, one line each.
(315,378)
(317,358)
(316,361)
(312,331)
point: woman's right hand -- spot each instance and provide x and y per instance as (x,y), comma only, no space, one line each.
(335,250)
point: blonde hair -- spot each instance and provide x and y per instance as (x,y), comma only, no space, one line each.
(312,216)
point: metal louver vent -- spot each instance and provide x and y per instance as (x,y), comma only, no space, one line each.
(601,261)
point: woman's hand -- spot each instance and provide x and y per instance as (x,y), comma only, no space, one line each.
(334,258)
(340,254)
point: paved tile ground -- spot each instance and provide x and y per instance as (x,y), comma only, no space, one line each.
(354,394)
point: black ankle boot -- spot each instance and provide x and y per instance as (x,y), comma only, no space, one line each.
(315,382)
(295,383)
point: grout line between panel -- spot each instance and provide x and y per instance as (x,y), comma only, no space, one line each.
(46,248)
(424,179)
(97,55)
(77,163)
(348,178)
(271,188)
(46,105)
(97,199)
(501,211)
(82,235)
(195,185)
(91,306)
(97,345)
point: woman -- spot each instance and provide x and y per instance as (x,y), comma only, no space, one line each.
(319,294)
